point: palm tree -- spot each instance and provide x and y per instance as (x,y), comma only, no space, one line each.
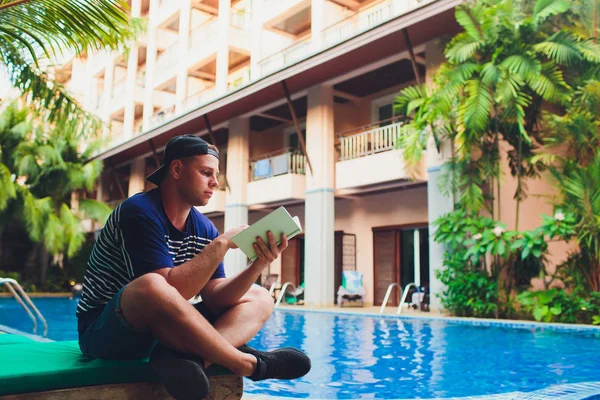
(40,167)
(36,31)
(515,62)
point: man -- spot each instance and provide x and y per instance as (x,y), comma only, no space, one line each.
(155,252)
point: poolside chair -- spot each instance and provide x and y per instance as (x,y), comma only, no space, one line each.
(352,291)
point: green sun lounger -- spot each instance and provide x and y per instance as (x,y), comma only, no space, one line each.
(58,370)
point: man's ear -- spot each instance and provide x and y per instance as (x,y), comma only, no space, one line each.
(176,168)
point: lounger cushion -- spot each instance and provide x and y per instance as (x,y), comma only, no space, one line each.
(6,338)
(35,366)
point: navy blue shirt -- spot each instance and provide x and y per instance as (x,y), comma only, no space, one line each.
(139,238)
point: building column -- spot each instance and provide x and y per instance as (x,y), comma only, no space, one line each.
(223,47)
(317,24)
(236,206)
(109,77)
(136,176)
(130,82)
(151,53)
(257,33)
(185,16)
(437,203)
(319,205)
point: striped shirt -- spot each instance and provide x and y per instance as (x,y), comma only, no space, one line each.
(138,238)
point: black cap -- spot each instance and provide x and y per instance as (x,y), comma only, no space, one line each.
(180,147)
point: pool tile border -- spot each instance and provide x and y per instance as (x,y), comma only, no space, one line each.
(460,320)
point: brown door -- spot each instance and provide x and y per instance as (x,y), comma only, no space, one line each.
(338,266)
(290,263)
(386,264)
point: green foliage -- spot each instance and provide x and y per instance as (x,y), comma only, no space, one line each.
(44,166)
(556,305)
(34,33)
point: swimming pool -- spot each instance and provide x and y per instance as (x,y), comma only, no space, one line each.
(373,357)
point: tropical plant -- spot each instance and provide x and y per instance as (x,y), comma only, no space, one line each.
(40,167)
(515,61)
(33,34)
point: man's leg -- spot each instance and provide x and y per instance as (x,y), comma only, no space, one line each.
(242,322)
(149,302)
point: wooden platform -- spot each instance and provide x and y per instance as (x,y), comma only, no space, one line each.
(222,387)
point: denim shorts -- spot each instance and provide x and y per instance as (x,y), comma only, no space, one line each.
(109,336)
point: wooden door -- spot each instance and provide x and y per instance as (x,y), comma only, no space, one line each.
(386,264)
(290,263)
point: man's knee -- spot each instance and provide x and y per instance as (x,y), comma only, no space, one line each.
(150,289)
(263,300)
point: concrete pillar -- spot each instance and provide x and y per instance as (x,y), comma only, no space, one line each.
(150,66)
(132,66)
(320,213)
(137,176)
(223,47)
(257,33)
(437,203)
(185,15)
(236,206)
(109,76)
(317,23)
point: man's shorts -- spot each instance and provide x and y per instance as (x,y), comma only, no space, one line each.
(109,336)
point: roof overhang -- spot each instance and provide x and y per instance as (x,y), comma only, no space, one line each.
(424,24)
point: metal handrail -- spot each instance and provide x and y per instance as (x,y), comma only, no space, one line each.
(8,282)
(272,288)
(406,293)
(387,296)
(282,292)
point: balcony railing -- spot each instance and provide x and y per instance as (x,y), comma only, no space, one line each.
(239,79)
(201,35)
(296,52)
(161,116)
(204,96)
(278,163)
(360,21)
(240,19)
(372,141)
(168,58)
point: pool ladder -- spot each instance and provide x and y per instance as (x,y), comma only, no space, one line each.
(23,299)
(404,293)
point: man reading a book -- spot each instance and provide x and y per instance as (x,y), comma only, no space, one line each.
(154,253)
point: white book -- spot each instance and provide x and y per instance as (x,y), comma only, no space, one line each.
(278,222)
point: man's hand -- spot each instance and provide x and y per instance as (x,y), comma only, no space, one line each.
(226,237)
(268,254)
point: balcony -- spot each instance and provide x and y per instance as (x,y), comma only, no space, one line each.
(162,116)
(371,157)
(367,18)
(203,43)
(119,96)
(277,177)
(198,99)
(216,204)
(289,17)
(166,65)
(238,78)
(298,51)
(166,10)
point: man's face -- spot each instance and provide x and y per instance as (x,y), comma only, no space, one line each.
(198,179)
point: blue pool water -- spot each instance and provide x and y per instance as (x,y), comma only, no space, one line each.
(372,357)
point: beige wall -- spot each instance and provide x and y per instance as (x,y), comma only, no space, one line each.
(265,142)
(360,216)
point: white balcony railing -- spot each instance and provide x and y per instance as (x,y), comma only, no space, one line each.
(373,141)
(238,79)
(161,116)
(202,35)
(240,19)
(289,162)
(296,52)
(168,58)
(202,97)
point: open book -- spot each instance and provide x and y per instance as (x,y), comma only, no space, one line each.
(278,222)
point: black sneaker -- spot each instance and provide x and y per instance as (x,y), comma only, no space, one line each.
(182,374)
(286,363)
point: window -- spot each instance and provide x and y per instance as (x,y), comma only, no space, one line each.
(383,109)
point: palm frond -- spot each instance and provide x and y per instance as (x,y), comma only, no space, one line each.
(477,108)
(462,48)
(590,51)
(524,66)
(547,8)
(550,84)
(7,187)
(490,74)
(468,18)
(96,210)
(562,47)
(73,237)
(34,213)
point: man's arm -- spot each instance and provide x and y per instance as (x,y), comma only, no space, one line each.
(221,294)
(190,277)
